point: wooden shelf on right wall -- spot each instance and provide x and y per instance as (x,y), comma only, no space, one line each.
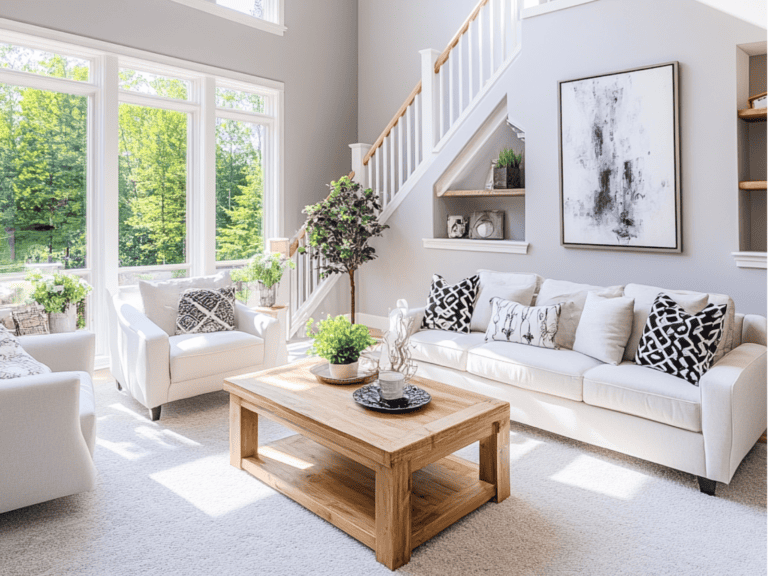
(753,114)
(752,185)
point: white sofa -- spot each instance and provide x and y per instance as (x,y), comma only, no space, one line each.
(705,430)
(156,366)
(48,423)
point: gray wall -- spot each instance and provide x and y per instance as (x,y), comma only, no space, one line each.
(317,60)
(594,38)
(757,157)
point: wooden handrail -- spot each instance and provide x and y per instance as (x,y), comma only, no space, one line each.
(392,123)
(443,58)
(293,243)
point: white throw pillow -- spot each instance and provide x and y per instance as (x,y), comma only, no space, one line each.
(518,324)
(572,296)
(15,362)
(604,328)
(506,285)
(161,299)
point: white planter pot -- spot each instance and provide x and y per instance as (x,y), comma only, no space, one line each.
(391,384)
(343,371)
(59,322)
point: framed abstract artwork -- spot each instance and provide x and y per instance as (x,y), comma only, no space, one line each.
(620,160)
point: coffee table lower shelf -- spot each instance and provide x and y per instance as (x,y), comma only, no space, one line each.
(342,491)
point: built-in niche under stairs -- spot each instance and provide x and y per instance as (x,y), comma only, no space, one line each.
(463,189)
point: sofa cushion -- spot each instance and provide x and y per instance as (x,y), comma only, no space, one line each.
(200,355)
(203,310)
(507,285)
(692,303)
(604,327)
(160,300)
(444,348)
(556,372)
(450,306)
(572,296)
(15,362)
(644,392)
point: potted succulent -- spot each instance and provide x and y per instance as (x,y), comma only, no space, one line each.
(341,343)
(266,270)
(507,173)
(60,295)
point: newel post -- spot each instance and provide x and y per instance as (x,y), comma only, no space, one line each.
(359,151)
(430,107)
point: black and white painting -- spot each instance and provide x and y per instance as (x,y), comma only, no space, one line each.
(619,160)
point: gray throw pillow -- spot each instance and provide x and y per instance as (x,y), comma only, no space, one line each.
(202,310)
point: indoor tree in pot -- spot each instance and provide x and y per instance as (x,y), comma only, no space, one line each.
(341,343)
(265,269)
(60,295)
(340,227)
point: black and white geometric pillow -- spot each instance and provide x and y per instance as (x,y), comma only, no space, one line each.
(203,310)
(450,306)
(518,324)
(679,343)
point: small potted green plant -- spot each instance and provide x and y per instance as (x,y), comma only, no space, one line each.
(266,270)
(507,173)
(60,295)
(340,342)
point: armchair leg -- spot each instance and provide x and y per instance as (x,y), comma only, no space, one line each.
(154,413)
(707,486)
(119,386)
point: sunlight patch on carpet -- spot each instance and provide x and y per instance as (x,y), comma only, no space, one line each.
(596,475)
(212,485)
(127,450)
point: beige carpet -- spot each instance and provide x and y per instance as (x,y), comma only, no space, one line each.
(168,502)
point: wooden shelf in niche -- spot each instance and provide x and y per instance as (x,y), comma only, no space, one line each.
(753,185)
(753,114)
(482,193)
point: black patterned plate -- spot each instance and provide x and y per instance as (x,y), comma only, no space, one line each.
(370,397)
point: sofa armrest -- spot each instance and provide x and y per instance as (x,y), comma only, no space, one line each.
(70,352)
(43,451)
(144,351)
(262,326)
(733,416)
(417,314)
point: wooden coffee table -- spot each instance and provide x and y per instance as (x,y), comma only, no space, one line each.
(390,481)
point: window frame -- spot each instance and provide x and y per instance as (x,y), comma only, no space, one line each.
(274,11)
(105,96)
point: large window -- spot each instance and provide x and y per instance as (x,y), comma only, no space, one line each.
(266,15)
(120,168)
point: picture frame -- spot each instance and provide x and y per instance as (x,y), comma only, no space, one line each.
(619,153)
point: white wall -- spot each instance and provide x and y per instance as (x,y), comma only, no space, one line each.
(317,60)
(594,38)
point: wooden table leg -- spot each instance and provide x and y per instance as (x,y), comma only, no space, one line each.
(243,432)
(494,459)
(393,515)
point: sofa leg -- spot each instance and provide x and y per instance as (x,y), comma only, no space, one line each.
(154,413)
(707,486)
(119,386)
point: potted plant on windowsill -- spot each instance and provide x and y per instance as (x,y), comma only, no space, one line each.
(266,270)
(341,343)
(507,173)
(60,295)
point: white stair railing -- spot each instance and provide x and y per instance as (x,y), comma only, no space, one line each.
(452,83)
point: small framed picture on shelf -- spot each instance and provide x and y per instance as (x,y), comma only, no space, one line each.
(758,101)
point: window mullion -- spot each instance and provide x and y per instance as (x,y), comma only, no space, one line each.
(204,214)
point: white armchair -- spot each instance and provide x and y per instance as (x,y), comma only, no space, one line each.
(48,423)
(156,366)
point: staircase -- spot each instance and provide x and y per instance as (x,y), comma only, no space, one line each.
(452,83)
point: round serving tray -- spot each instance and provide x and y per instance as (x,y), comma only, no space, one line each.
(413,399)
(323,374)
